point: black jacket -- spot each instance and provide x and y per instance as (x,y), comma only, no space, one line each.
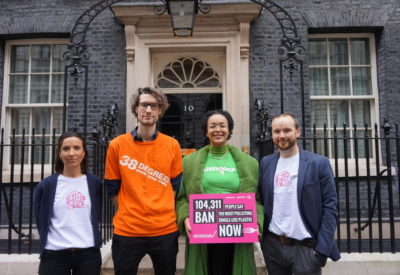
(44,201)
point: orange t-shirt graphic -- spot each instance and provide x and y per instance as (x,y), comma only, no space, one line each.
(146,204)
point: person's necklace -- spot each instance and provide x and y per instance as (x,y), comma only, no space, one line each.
(214,156)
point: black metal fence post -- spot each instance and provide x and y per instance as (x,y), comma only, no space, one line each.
(397,138)
(336,157)
(346,183)
(21,190)
(369,190)
(355,140)
(31,188)
(386,130)
(11,193)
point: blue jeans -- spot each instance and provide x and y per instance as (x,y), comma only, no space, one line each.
(85,261)
(127,252)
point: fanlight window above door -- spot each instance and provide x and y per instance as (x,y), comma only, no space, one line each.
(188,72)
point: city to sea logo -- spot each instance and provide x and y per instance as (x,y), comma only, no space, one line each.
(139,167)
(76,199)
(282,179)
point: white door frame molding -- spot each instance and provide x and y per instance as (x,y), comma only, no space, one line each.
(224,29)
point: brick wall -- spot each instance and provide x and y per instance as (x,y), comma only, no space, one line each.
(106,74)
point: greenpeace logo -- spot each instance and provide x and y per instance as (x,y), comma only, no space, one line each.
(145,170)
(222,170)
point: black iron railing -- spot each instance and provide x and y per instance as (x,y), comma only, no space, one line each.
(365,162)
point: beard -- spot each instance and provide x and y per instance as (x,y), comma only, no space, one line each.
(287,144)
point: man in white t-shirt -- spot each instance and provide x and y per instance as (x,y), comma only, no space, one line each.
(298,192)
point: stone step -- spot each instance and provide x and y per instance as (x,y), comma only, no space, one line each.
(146,266)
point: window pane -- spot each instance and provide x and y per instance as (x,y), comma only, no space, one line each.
(17,151)
(40,120)
(40,58)
(39,157)
(342,150)
(318,54)
(338,53)
(19,59)
(361,113)
(18,89)
(320,143)
(319,81)
(210,83)
(39,89)
(360,51)
(361,141)
(163,83)
(57,120)
(207,73)
(340,82)
(177,67)
(339,112)
(188,66)
(20,120)
(319,114)
(361,81)
(198,67)
(57,88)
(169,74)
(58,60)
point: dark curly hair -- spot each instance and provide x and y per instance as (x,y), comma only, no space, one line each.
(59,165)
(218,112)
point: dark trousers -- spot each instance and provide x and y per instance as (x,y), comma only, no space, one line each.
(127,252)
(220,258)
(282,259)
(86,261)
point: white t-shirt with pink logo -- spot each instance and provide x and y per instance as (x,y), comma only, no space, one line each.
(71,220)
(286,219)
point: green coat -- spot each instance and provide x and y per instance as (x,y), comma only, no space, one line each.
(196,254)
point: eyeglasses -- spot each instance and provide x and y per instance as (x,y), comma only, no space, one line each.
(144,105)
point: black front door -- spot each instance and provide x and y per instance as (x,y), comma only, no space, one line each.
(183,118)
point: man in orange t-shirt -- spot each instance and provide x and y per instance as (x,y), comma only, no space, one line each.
(143,171)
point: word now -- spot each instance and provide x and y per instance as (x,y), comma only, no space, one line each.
(230,230)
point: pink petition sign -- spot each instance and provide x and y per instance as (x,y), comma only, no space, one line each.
(223,218)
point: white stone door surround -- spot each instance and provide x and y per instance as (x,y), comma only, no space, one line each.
(225,30)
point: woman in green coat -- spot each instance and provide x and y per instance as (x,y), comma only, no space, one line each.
(240,175)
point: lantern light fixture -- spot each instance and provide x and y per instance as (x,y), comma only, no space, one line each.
(183,14)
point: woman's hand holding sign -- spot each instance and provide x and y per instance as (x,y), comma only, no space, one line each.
(187,226)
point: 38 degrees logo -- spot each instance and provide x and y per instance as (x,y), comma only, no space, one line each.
(139,167)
